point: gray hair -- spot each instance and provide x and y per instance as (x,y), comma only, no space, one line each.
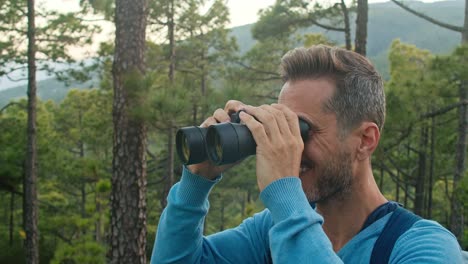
(359,95)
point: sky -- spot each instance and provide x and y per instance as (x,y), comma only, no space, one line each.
(245,11)
(242,11)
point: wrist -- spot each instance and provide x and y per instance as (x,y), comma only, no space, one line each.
(193,189)
(204,171)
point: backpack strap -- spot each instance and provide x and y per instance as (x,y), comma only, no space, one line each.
(400,221)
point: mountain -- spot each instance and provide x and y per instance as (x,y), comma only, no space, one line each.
(386,23)
(50,89)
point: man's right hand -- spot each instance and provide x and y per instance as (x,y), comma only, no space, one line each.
(207,169)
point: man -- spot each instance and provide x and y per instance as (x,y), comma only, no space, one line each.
(341,96)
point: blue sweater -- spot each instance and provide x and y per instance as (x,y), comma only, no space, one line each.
(288,231)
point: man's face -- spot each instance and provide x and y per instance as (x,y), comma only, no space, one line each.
(326,167)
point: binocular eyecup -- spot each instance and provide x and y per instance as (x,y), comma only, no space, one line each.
(222,143)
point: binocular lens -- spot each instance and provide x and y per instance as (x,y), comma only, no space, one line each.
(218,147)
(190,142)
(186,149)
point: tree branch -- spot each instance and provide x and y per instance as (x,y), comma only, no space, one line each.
(8,105)
(327,27)
(406,133)
(444,110)
(14,69)
(151,154)
(395,178)
(68,241)
(15,80)
(315,22)
(19,8)
(91,20)
(428,18)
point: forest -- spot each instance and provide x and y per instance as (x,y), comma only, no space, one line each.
(85,178)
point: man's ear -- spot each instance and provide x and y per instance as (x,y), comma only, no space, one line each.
(369,135)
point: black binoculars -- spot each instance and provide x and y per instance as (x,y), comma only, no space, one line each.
(222,143)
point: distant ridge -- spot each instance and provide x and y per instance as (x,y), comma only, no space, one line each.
(49,89)
(387,22)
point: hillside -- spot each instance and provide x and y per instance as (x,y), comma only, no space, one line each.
(49,89)
(386,23)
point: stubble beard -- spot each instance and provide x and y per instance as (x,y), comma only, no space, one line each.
(334,181)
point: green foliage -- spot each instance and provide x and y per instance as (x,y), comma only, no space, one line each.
(285,17)
(103,186)
(13,142)
(105,7)
(83,250)
(408,66)
(315,39)
(421,97)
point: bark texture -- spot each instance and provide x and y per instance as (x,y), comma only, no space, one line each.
(360,41)
(128,199)
(30,212)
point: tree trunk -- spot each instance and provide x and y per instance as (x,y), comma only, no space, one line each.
(432,167)
(420,180)
(221,226)
(170,179)
(30,211)
(128,198)
(397,187)
(195,115)
(83,181)
(243,206)
(170,148)
(171,35)
(347,31)
(203,74)
(381,179)
(98,224)
(457,213)
(405,201)
(203,84)
(12,222)
(361,27)
(170,131)
(465,25)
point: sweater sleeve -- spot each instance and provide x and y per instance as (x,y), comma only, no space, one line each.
(180,239)
(297,235)
(426,242)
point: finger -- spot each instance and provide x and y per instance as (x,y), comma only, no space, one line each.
(281,120)
(291,118)
(221,116)
(255,127)
(208,122)
(267,119)
(233,106)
